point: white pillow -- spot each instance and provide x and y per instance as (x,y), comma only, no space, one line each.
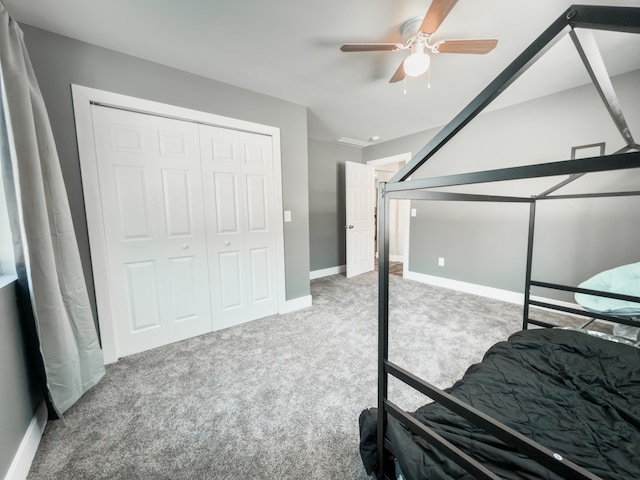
(624,280)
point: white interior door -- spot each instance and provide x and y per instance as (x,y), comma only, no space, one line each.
(398,211)
(360,227)
(237,170)
(152,205)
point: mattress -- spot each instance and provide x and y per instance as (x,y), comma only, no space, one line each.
(576,394)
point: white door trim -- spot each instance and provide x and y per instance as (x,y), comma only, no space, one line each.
(83,97)
(402,157)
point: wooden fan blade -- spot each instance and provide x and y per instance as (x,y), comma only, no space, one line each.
(399,75)
(468,46)
(436,14)
(371,47)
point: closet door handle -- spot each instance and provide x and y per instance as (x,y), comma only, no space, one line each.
(348,226)
(185,246)
(227,243)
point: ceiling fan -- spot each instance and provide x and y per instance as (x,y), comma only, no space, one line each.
(419,41)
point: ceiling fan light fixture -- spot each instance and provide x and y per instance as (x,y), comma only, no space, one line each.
(418,62)
(417,35)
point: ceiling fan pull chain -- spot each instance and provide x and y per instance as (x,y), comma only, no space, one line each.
(429,78)
(404,83)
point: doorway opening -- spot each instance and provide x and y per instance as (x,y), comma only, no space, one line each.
(385,169)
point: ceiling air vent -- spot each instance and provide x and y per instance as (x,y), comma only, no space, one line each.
(353,142)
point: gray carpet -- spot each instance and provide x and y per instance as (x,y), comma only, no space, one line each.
(276,398)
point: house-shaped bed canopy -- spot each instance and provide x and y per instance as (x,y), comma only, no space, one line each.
(579,23)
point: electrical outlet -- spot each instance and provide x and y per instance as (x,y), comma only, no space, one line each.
(414,213)
(287,215)
(441,261)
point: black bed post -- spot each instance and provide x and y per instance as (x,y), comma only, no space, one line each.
(383,319)
(527,282)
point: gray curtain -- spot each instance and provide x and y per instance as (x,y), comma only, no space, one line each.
(45,247)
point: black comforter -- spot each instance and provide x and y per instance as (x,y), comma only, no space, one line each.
(576,394)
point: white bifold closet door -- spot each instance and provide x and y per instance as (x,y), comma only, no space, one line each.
(237,174)
(188,217)
(151,191)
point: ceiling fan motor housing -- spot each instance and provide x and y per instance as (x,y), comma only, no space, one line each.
(410,28)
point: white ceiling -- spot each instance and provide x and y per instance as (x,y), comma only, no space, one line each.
(289,49)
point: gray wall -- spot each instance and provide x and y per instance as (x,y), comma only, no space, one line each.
(486,244)
(61,61)
(17,402)
(327,202)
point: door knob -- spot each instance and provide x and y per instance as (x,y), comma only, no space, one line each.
(185,246)
(227,243)
(348,226)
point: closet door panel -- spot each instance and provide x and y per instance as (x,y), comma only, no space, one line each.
(124,150)
(184,272)
(132,201)
(257,202)
(131,138)
(173,144)
(231,296)
(151,197)
(240,209)
(260,275)
(224,204)
(178,216)
(181,209)
(143,296)
(222,147)
(227,203)
(260,225)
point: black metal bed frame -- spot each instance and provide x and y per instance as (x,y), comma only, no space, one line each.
(621,19)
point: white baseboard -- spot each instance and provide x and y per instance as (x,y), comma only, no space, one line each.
(488,292)
(23,458)
(327,271)
(296,304)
